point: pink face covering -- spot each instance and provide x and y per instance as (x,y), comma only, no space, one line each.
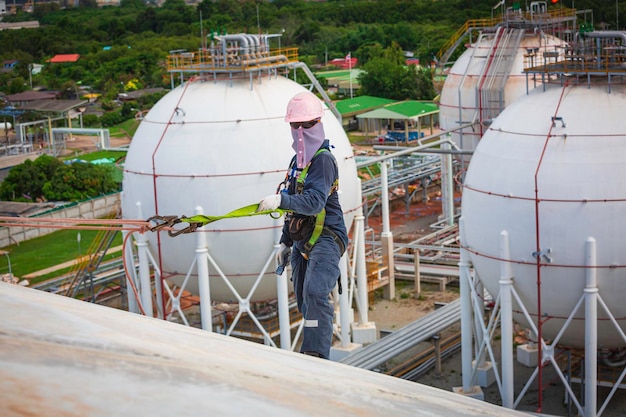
(306,142)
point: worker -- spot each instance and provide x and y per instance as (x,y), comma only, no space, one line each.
(309,193)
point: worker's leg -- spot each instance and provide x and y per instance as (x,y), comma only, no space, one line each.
(321,277)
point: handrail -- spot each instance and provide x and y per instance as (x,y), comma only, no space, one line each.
(528,16)
(463,30)
(205,60)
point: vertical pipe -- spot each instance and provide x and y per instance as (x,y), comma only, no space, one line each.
(416,270)
(282,293)
(145,289)
(466,313)
(591,329)
(144,274)
(131,274)
(204,290)
(386,237)
(447,189)
(479,321)
(283,310)
(344,304)
(437,340)
(384,196)
(506,321)
(361,267)
(50,138)
(160,298)
(69,124)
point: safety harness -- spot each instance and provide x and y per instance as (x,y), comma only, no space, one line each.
(319,228)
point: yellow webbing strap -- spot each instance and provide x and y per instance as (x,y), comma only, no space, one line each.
(317,231)
(246,211)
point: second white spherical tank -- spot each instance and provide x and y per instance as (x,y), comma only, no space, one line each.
(552,185)
(221,145)
(460,104)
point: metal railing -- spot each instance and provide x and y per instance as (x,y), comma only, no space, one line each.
(213,61)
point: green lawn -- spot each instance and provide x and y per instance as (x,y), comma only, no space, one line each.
(46,251)
(117,155)
(127,128)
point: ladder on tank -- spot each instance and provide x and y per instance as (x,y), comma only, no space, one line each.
(489,100)
(466,84)
(496,71)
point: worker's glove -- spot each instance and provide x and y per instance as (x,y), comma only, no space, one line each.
(271,202)
(283,257)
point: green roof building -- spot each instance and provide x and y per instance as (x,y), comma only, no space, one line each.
(351,107)
(398,121)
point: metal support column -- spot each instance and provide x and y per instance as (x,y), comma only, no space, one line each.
(282,293)
(283,310)
(591,329)
(447,185)
(506,321)
(131,274)
(361,267)
(386,236)
(145,289)
(466,313)
(344,304)
(204,289)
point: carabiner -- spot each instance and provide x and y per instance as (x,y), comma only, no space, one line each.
(189,229)
(162,222)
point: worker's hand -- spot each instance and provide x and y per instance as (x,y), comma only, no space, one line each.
(271,202)
(283,256)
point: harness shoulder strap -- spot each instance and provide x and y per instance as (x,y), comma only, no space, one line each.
(305,170)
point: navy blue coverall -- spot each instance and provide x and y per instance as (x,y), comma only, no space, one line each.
(315,278)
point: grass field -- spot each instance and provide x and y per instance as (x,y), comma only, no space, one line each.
(127,128)
(46,251)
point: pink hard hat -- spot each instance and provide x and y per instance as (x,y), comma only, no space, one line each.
(303,107)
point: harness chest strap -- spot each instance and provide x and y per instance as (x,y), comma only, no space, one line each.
(319,228)
(305,171)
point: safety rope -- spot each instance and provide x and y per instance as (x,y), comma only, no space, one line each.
(199,220)
(135,226)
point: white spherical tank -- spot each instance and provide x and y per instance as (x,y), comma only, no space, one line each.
(550,172)
(221,145)
(460,102)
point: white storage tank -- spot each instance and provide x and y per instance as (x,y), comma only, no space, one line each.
(550,171)
(461,102)
(221,144)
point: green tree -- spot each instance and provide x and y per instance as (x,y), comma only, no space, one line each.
(387,75)
(79,181)
(48,179)
(141,34)
(25,182)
